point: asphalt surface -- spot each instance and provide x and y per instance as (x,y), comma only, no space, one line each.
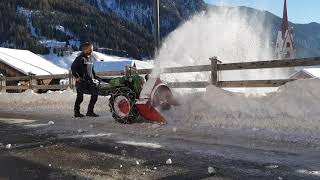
(65,152)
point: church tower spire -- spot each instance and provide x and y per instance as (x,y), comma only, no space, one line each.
(285,44)
(285,21)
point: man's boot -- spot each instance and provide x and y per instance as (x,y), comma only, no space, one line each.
(92,114)
(92,102)
(77,114)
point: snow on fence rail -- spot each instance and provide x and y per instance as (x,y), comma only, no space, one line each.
(214,68)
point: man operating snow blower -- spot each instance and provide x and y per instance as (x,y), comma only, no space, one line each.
(83,70)
(131,97)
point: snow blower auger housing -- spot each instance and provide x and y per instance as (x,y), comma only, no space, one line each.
(133,97)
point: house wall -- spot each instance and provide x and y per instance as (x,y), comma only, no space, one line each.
(9,71)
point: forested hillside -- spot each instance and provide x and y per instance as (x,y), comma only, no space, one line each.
(81,19)
(117,25)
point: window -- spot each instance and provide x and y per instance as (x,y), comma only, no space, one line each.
(288,45)
(3,72)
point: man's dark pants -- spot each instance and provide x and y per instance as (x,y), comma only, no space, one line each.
(85,87)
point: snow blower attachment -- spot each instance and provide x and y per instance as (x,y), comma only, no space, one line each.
(133,98)
(155,95)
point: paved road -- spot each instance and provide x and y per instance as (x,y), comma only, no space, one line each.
(102,149)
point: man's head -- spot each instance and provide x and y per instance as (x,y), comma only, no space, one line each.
(87,49)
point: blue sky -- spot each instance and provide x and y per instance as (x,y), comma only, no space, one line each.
(300,11)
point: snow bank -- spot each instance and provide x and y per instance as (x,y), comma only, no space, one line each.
(293,108)
(58,101)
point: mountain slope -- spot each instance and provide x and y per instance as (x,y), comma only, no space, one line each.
(119,25)
(173,12)
(82,20)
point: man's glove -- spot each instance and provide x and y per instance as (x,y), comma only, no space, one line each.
(99,79)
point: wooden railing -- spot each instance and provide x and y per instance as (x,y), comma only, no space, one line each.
(215,67)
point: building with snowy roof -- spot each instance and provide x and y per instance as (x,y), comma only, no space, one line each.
(15,63)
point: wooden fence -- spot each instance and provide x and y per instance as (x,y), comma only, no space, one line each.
(215,67)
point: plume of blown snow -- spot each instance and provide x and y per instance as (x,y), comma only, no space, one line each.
(231,34)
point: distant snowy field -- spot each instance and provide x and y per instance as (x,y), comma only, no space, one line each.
(292,110)
(103,62)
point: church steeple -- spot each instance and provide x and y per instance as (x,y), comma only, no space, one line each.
(285,22)
(285,44)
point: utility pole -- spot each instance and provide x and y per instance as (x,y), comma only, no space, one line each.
(156,28)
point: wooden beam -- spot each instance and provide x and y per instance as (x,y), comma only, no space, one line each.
(254,83)
(214,71)
(198,84)
(2,84)
(184,69)
(53,87)
(144,71)
(19,78)
(111,73)
(15,87)
(55,76)
(315,61)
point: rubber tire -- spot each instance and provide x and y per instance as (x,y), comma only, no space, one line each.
(131,97)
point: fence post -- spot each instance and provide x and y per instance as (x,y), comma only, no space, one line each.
(3,84)
(70,80)
(214,71)
(32,82)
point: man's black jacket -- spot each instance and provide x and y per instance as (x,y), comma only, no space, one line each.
(79,69)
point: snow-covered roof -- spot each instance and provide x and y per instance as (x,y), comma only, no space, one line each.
(26,61)
(315,72)
(310,72)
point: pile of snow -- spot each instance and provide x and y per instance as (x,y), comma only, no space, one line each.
(59,101)
(293,108)
(26,61)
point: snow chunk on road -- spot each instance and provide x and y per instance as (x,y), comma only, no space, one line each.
(169,161)
(8,146)
(211,170)
(307,172)
(141,144)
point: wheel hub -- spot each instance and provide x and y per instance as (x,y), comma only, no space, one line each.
(122,106)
